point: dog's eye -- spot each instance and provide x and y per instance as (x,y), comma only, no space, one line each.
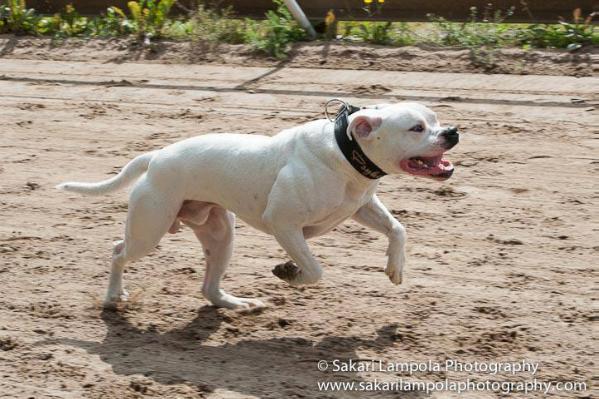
(417,128)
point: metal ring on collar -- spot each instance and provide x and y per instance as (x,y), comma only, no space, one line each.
(328,104)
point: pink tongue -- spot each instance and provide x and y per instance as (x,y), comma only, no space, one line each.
(433,166)
(438,168)
(445,164)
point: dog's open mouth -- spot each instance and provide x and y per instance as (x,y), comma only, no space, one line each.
(436,167)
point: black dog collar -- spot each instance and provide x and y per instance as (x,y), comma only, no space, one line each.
(349,145)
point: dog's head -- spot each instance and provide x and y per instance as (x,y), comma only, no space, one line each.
(405,138)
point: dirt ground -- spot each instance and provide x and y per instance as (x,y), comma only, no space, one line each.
(329,55)
(502,257)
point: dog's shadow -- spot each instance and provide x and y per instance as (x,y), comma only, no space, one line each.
(274,367)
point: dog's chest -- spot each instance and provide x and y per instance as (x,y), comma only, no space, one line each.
(335,214)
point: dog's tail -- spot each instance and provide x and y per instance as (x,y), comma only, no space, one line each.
(129,173)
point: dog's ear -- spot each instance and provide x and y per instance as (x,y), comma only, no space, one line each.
(362,126)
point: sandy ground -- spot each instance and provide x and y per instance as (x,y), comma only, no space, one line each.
(502,257)
(329,55)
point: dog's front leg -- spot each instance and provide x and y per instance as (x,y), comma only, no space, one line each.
(376,216)
(308,270)
(290,203)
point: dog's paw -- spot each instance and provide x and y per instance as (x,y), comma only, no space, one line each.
(112,302)
(394,275)
(395,271)
(224,300)
(395,264)
(295,276)
(287,271)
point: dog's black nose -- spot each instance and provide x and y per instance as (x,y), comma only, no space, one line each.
(451,137)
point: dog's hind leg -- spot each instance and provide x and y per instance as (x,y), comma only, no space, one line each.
(116,292)
(216,233)
(151,213)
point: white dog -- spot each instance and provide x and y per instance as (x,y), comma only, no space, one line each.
(298,184)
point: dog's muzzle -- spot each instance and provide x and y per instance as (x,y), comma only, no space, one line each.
(450,137)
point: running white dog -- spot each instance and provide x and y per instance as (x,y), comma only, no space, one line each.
(298,184)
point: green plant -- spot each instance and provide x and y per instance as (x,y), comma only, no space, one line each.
(482,35)
(15,17)
(403,35)
(3,18)
(67,23)
(71,23)
(274,35)
(375,32)
(149,17)
(213,26)
(394,34)
(386,33)
(330,25)
(113,23)
(570,35)
(489,31)
(178,29)
(48,25)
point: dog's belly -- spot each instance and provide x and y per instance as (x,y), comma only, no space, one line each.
(196,213)
(318,230)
